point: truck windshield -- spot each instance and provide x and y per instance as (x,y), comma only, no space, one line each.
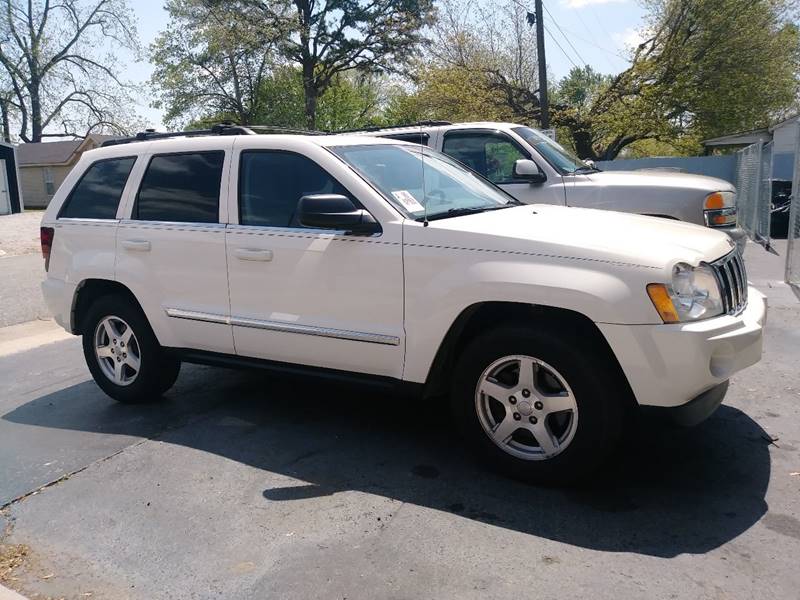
(411,183)
(553,152)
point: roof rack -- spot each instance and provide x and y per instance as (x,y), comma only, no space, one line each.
(152,134)
(233,129)
(389,127)
(277,129)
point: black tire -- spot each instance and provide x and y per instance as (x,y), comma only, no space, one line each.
(157,372)
(589,371)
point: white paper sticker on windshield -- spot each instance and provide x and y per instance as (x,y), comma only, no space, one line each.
(408,201)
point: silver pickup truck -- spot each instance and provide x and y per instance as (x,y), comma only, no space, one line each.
(536,170)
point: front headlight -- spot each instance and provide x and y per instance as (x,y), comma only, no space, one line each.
(719,209)
(693,295)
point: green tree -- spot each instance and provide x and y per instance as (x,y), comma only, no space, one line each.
(707,67)
(580,88)
(225,57)
(216,60)
(351,101)
(328,39)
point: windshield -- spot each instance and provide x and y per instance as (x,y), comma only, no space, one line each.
(553,152)
(445,186)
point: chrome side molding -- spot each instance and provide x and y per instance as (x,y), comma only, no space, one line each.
(341,334)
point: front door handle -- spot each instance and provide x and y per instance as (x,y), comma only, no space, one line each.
(253,254)
(136,245)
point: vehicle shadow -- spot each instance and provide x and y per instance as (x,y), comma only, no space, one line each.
(669,491)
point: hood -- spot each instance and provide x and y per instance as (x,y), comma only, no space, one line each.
(656,178)
(597,235)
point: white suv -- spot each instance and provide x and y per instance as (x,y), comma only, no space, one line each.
(383,261)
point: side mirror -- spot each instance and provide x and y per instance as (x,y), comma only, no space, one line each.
(334,211)
(528,170)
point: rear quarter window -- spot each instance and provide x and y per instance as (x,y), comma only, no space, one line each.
(98,192)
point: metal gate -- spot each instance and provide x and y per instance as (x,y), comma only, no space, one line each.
(793,234)
(754,191)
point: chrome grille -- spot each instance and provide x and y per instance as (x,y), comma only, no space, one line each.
(732,280)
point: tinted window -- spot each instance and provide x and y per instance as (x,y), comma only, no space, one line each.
(181,187)
(491,155)
(272,183)
(98,192)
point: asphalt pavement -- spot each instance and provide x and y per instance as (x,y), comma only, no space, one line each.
(243,485)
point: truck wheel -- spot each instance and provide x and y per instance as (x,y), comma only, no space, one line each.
(543,405)
(122,352)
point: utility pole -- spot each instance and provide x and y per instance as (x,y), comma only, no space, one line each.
(544,104)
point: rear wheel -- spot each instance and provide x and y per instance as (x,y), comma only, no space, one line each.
(539,404)
(122,352)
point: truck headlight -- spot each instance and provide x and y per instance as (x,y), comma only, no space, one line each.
(693,295)
(719,209)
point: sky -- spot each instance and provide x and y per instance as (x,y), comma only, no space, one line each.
(597,33)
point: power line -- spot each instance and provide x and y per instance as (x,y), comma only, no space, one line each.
(596,45)
(594,39)
(571,45)
(560,47)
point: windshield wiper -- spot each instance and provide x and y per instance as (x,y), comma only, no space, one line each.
(586,169)
(460,212)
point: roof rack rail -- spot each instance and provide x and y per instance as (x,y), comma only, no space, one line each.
(152,134)
(387,127)
(278,129)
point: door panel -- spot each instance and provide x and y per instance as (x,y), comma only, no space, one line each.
(311,296)
(178,267)
(322,299)
(171,253)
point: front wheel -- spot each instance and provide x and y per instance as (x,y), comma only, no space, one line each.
(122,352)
(539,404)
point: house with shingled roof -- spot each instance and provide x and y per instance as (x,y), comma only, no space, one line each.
(43,166)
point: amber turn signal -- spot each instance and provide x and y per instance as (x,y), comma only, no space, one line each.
(661,299)
(715,200)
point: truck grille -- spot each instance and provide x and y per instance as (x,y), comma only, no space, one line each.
(732,280)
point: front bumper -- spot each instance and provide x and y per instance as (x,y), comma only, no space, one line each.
(669,365)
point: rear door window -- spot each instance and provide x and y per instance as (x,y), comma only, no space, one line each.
(181,188)
(97,194)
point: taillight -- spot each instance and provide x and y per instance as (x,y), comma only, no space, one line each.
(46,234)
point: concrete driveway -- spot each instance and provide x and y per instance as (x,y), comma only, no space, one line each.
(21,269)
(241,485)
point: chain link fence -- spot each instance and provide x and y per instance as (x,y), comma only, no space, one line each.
(793,234)
(754,191)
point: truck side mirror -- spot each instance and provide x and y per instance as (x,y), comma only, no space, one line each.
(334,211)
(528,170)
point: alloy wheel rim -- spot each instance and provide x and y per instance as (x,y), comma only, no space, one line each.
(117,350)
(526,407)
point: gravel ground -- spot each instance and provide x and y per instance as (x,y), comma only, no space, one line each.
(19,234)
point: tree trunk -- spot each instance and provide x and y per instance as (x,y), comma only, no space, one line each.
(6,122)
(36,112)
(311,94)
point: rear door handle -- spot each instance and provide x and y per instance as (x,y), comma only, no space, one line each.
(136,245)
(253,254)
